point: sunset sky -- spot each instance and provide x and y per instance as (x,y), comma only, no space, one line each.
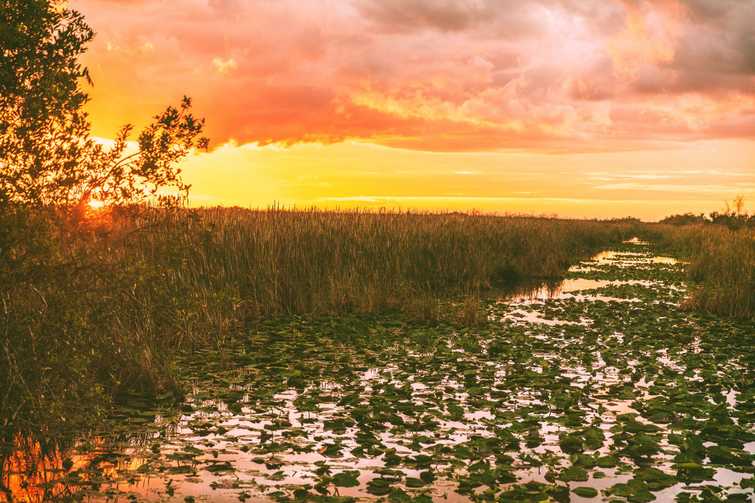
(581,108)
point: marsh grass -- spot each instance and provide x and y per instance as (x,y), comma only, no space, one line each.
(721,266)
(99,309)
(275,261)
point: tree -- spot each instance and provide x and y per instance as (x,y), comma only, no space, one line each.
(685,219)
(47,153)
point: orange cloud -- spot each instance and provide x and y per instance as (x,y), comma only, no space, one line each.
(443,75)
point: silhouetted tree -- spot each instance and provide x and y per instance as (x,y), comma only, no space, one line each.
(685,219)
(47,153)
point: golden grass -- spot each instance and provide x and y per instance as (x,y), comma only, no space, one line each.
(93,311)
(97,310)
(721,269)
(278,261)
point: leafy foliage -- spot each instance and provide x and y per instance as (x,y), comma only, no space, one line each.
(47,153)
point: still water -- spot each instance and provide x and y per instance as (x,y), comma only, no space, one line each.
(582,384)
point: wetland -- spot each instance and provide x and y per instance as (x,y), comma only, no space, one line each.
(598,388)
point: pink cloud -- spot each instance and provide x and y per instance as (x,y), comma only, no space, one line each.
(436,75)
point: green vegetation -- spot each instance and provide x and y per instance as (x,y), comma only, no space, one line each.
(47,153)
(71,313)
(733,217)
(160,343)
(721,265)
(104,308)
(605,388)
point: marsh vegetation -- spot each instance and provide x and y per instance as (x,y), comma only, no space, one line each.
(598,386)
(323,356)
(108,305)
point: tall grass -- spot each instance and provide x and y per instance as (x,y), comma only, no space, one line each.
(100,309)
(277,261)
(721,268)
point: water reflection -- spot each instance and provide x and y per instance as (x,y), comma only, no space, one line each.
(556,291)
(390,411)
(567,288)
(34,472)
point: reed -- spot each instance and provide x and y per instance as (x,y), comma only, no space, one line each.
(278,261)
(721,266)
(100,309)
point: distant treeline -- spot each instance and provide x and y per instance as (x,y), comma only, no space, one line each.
(730,220)
(96,305)
(733,217)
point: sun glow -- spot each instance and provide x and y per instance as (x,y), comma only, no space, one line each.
(433,110)
(96,204)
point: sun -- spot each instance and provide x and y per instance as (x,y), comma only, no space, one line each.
(96,204)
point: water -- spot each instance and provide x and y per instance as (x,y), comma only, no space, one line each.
(443,411)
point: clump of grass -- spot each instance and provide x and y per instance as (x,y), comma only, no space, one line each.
(721,268)
(724,269)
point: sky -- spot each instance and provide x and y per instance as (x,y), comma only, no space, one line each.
(576,108)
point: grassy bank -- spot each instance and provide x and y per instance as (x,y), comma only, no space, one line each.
(721,265)
(102,308)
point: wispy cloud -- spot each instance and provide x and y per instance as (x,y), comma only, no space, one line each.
(684,188)
(224,66)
